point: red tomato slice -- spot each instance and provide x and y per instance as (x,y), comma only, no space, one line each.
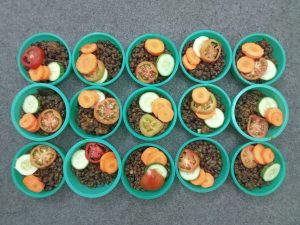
(188,160)
(247,157)
(146,72)
(107,111)
(94,152)
(50,120)
(33,57)
(257,126)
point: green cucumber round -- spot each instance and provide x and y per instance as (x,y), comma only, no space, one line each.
(165,64)
(270,172)
(266,103)
(56,70)
(31,104)
(158,168)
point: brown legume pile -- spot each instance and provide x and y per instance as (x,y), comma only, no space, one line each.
(54,52)
(204,70)
(134,115)
(92,176)
(48,99)
(246,106)
(140,54)
(135,168)
(268,54)
(52,175)
(210,157)
(190,118)
(87,121)
(249,178)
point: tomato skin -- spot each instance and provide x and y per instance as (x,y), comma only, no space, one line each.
(94,151)
(107,111)
(42,156)
(210,51)
(33,57)
(50,120)
(152,181)
(247,157)
(146,72)
(257,126)
(188,160)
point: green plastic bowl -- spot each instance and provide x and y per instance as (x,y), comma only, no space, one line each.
(214,35)
(267,189)
(224,99)
(169,45)
(222,176)
(17,107)
(278,54)
(92,38)
(18,178)
(137,93)
(37,38)
(282,105)
(147,195)
(74,110)
(83,190)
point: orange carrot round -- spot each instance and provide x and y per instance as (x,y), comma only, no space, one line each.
(252,50)
(257,154)
(192,57)
(268,155)
(165,114)
(36,74)
(86,99)
(157,104)
(27,121)
(200,95)
(186,63)
(34,127)
(154,46)
(33,183)
(245,64)
(108,163)
(205,116)
(88,48)
(157,157)
(209,181)
(274,116)
(86,63)
(46,74)
(147,152)
(200,179)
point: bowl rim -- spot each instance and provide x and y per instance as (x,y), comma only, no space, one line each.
(216,131)
(225,167)
(70,153)
(118,45)
(14,108)
(166,186)
(28,41)
(81,132)
(227,65)
(263,35)
(23,150)
(258,86)
(139,92)
(164,39)
(235,153)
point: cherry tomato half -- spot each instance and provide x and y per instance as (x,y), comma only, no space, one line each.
(33,57)
(107,111)
(247,157)
(260,67)
(210,51)
(42,156)
(188,160)
(257,126)
(94,151)
(146,72)
(50,120)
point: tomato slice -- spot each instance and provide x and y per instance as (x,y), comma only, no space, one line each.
(50,120)
(210,51)
(94,151)
(42,156)
(107,111)
(260,67)
(257,126)
(146,72)
(205,108)
(188,160)
(33,57)
(247,157)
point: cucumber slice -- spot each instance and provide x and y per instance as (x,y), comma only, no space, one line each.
(101,95)
(56,70)
(165,64)
(266,103)
(198,44)
(190,176)
(79,161)
(24,166)
(270,72)
(146,101)
(31,104)
(217,120)
(270,172)
(159,168)
(104,77)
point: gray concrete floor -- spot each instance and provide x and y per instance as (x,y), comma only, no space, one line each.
(126,20)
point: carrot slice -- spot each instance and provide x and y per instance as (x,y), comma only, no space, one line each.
(209,181)
(104,159)
(34,127)
(154,46)
(27,121)
(192,57)
(165,114)
(186,63)
(36,74)
(46,74)
(86,99)
(33,183)
(157,104)
(157,157)
(88,48)
(110,165)
(268,155)
(252,50)
(245,64)
(200,179)
(147,152)
(86,63)
(200,95)
(96,96)
(257,154)
(274,116)
(205,116)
